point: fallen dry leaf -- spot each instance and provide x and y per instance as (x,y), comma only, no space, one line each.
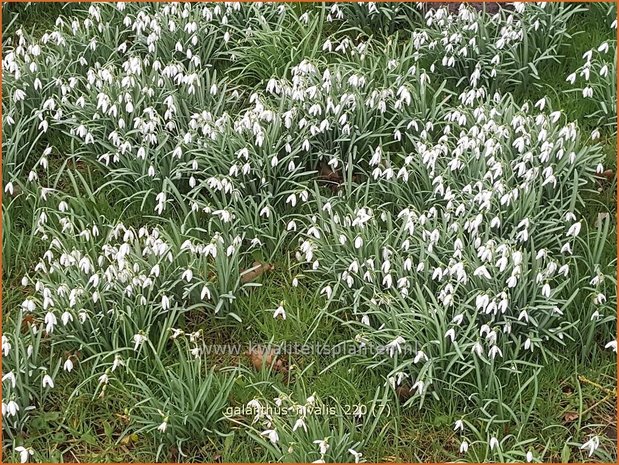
(253,273)
(260,357)
(27,321)
(570,417)
(404,393)
(605,176)
(326,173)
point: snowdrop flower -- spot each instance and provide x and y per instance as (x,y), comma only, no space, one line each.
(299,424)
(313,231)
(459,425)
(573,230)
(118,361)
(512,281)
(358,242)
(50,321)
(163,426)
(478,349)
(272,435)
(324,446)
(19,95)
(612,345)
(451,334)
(187,275)
(395,345)
(604,71)
(571,78)
(280,312)
(494,350)
(482,301)
(591,445)
(48,381)
(464,447)
(419,356)
(419,385)
(494,442)
(599,299)
(327,291)
(68,365)
(12,408)
(254,404)
(139,339)
(596,280)
(24,453)
(66,318)
(482,271)
(161,199)
(356,455)
(11,377)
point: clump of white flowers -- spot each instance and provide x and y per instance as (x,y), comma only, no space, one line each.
(308,430)
(596,79)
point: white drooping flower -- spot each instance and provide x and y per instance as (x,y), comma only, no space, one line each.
(323,445)
(395,345)
(24,453)
(48,381)
(138,340)
(272,435)
(280,312)
(356,455)
(591,445)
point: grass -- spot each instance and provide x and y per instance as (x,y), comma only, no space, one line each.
(572,398)
(96,431)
